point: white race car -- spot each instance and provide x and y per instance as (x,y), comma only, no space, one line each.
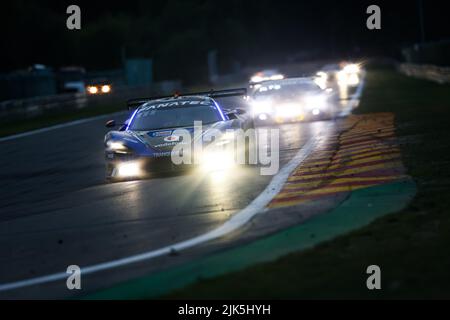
(265,75)
(292,99)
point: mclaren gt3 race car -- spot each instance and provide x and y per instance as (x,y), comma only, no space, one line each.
(265,75)
(177,132)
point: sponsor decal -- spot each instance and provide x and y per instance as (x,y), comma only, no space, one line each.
(172,138)
(168,144)
(164,133)
(162,154)
(175,104)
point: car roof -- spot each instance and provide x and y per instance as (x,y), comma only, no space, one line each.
(177,101)
(268,71)
(334,66)
(287,81)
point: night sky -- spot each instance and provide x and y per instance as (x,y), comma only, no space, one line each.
(182,31)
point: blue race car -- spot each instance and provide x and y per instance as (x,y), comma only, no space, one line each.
(162,127)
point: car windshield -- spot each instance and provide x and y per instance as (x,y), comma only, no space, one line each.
(286,91)
(330,67)
(173,117)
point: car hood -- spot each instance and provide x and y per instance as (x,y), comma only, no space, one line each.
(161,141)
(164,140)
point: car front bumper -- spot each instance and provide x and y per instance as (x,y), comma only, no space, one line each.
(124,167)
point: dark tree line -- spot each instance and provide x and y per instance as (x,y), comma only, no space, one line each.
(177,34)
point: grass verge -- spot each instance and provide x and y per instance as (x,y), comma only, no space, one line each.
(57,117)
(411,246)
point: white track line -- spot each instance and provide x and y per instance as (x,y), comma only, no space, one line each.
(59,126)
(237,221)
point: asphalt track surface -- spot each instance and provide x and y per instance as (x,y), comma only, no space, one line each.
(57,209)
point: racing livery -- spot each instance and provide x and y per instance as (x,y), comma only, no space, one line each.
(146,141)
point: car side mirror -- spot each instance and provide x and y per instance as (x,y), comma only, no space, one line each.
(232,115)
(110,124)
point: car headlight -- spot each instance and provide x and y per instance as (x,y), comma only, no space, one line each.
(262,117)
(351,68)
(261,106)
(322,74)
(129,169)
(353,79)
(117,146)
(321,79)
(256,79)
(217,159)
(92,89)
(342,77)
(315,101)
(106,88)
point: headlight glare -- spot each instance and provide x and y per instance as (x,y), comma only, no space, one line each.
(92,89)
(116,146)
(106,88)
(129,169)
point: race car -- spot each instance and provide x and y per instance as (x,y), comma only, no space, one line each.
(343,74)
(164,130)
(349,75)
(99,86)
(291,99)
(326,77)
(264,75)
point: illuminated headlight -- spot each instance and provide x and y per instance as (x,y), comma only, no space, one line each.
(289,111)
(261,107)
(316,101)
(353,80)
(216,160)
(106,88)
(342,77)
(112,145)
(277,77)
(256,79)
(351,68)
(117,147)
(321,79)
(322,75)
(316,112)
(129,169)
(92,89)
(349,75)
